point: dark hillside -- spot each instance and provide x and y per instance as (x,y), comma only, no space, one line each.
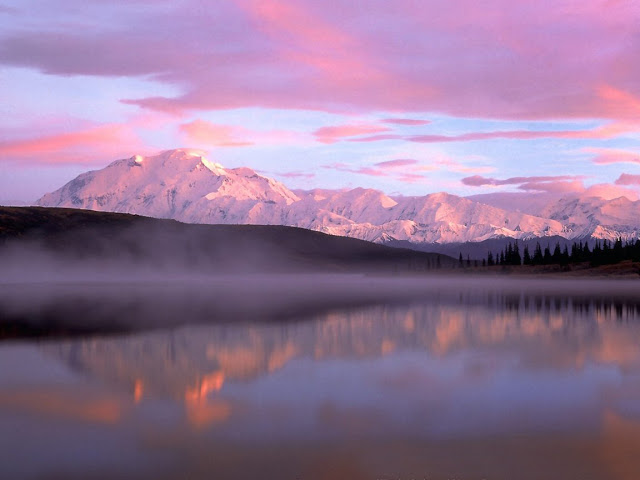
(72,235)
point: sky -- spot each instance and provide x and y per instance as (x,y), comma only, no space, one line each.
(410,96)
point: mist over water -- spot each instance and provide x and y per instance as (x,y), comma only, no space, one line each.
(321,376)
(108,304)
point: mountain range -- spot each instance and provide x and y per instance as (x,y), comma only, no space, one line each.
(184,185)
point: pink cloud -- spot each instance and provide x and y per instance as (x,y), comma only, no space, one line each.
(297,175)
(562,184)
(403,170)
(498,59)
(372,171)
(607,156)
(377,138)
(606,131)
(400,162)
(333,134)
(628,179)
(610,130)
(207,134)
(608,191)
(619,103)
(477,180)
(515,134)
(406,121)
(411,178)
(557,186)
(84,146)
(549,184)
(202,132)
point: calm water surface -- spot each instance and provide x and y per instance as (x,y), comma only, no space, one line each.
(485,386)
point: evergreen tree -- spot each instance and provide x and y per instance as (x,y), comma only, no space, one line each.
(596,255)
(635,251)
(527,256)
(468,261)
(617,253)
(565,256)
(546,259)
(517,260)
(460,262)
(490,261)
(606,252)
(537,259)
(574,252)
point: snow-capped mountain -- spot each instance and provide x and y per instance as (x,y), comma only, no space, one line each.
(597,217)
(182,184)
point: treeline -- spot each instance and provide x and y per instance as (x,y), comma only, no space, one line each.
(604,252)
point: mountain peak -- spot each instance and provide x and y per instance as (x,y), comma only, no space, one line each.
(185,185)
(182,152)
(176,159)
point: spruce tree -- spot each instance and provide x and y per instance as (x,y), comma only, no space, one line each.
(537,259)
(517,260)
(596,255)
(574,253)
(617,254)
(557,254)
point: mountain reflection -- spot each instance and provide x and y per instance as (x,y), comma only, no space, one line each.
(191,362)
(464,384)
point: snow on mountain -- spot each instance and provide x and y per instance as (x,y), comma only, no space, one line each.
(596,217)
(184,185)
(180,184)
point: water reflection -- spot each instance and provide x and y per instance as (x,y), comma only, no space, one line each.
(44,309)
(473,385)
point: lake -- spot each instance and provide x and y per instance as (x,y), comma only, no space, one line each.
(333,378)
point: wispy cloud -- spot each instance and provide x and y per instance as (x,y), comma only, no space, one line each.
(83,146)
(603,132)
(332,134)
(307,175)
(607,156)
(551,184)
(451,165)
(399,162)
(378,138)
(201,132)
(405,170)
(406,121)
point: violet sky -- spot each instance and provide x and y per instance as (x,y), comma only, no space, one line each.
(407,96)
